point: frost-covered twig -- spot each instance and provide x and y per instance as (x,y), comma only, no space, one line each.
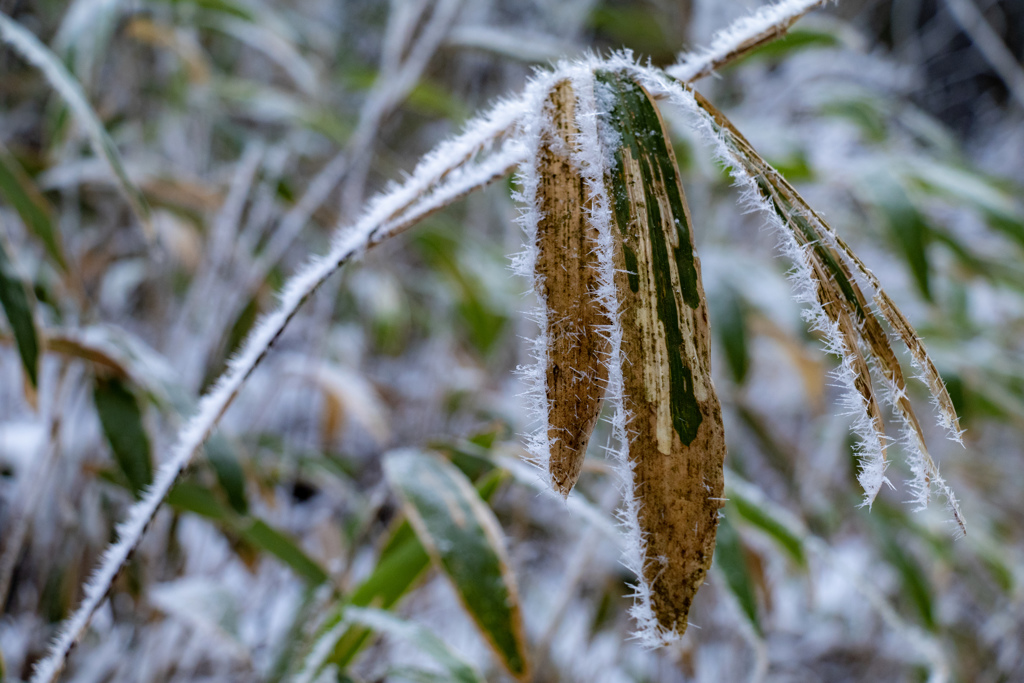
(393,84)
(741,37)
(441,178)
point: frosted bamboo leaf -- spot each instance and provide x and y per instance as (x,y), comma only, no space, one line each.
(825,262)
(677,440)
(566,278)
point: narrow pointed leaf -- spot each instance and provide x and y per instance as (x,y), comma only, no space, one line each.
(17,305)
(229,471)
(464,540)
(677,445)
(267,538)
(121,417)
(36,213)
(566,269)
(402,562)
(731,559)
(757,516)
(188,497)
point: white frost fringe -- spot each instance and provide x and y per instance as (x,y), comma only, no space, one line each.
(393,210)
(767,19)
(534,375)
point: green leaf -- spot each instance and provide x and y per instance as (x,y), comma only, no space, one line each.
(17,304)
(230,475)
(797,39)
(1003,211)
(863,112)
(36,213)
(121,417)
(265,537)
(464,540)
(483,320)
(731,559)
(757,516)
(41,57)
(189,497)
(402,562)
(915,582)
(728,311)
(906,224)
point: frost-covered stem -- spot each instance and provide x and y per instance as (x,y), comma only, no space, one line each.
(388,215)
(392,86)
(742,37)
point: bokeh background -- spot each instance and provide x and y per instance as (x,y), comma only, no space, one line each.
(254,128)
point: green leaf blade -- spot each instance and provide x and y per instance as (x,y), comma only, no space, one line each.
(121,417)
(37,214)
(17,304)
(463,539)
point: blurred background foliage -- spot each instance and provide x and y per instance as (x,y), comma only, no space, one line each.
(252,128)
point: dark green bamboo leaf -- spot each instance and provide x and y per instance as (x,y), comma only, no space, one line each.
(757,516)
(731,559)
(464,540)
(915,582)
(17,304)
(193,498)
(230,475)
(265,537)
(189,497)
(729,315)
(20,191)
(121,417)
(906,224)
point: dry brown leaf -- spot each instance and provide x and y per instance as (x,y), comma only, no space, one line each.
(566,266)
